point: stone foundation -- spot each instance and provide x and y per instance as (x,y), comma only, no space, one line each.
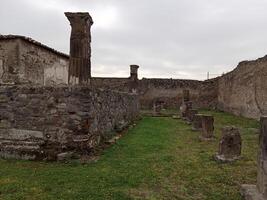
(38,123)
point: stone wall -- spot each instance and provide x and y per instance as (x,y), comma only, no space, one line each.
(25,61)
(41,122)
(118,84)
(244,90)
(170,91)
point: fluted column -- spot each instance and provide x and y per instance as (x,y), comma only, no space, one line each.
(80,47)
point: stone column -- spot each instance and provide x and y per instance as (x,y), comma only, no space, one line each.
(197,122)
(134,78)
(191,114)
(157,107)
(80,47)
(259,191)
(230,145)
(207,127)
(134,72)
(185,107)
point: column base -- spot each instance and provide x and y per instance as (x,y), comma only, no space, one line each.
(206,139)
(222,158)
(250,192)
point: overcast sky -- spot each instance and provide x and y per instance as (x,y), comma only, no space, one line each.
(166,38)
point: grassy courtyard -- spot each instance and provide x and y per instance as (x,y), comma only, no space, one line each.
(160,158)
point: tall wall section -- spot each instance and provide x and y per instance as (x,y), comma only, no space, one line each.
(42,122)
(170,92)
(244,90)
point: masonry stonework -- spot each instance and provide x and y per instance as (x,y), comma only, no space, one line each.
(243,91)
(42,122)
(80,47)
(25,61)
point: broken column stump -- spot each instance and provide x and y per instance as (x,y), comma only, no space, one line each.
(230,145)
(191,114)
(134,78)
(185,107)
(197,122)
(207,128)
(157,107)
(259,191)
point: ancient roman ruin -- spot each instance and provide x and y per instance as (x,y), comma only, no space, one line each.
(197,122)
(230,145)
(48,107)
(207,130)
(51,106)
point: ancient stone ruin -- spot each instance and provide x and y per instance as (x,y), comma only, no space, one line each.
(259,191)
(207,132)
(51,104)
(191,115)
(80,48)
(197,122)
(71,117)
(230,145)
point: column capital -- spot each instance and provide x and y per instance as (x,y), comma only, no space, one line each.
(78,17)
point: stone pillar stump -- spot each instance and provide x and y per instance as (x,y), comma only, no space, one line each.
(185,107)
(133,78)
(207,127)
(259,191)
(230,145)
(191,114)
(197,122)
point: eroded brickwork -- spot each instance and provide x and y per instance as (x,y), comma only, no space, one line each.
(243,91)
(41,122)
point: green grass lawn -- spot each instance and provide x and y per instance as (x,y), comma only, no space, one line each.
(160,158)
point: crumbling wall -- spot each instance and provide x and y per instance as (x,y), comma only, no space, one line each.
(118,84)
(244,90)
(22,62)
(40,66)
(42,122)
(170,91)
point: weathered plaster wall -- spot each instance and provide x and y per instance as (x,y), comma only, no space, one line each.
(41,66)
(170,91)
(41,122)
(24,62)
(244,90)
(9,61)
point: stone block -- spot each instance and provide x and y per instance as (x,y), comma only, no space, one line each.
(191,114)
(230,145)
(250,192)
(19,134)
(207,128)
(197,122)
